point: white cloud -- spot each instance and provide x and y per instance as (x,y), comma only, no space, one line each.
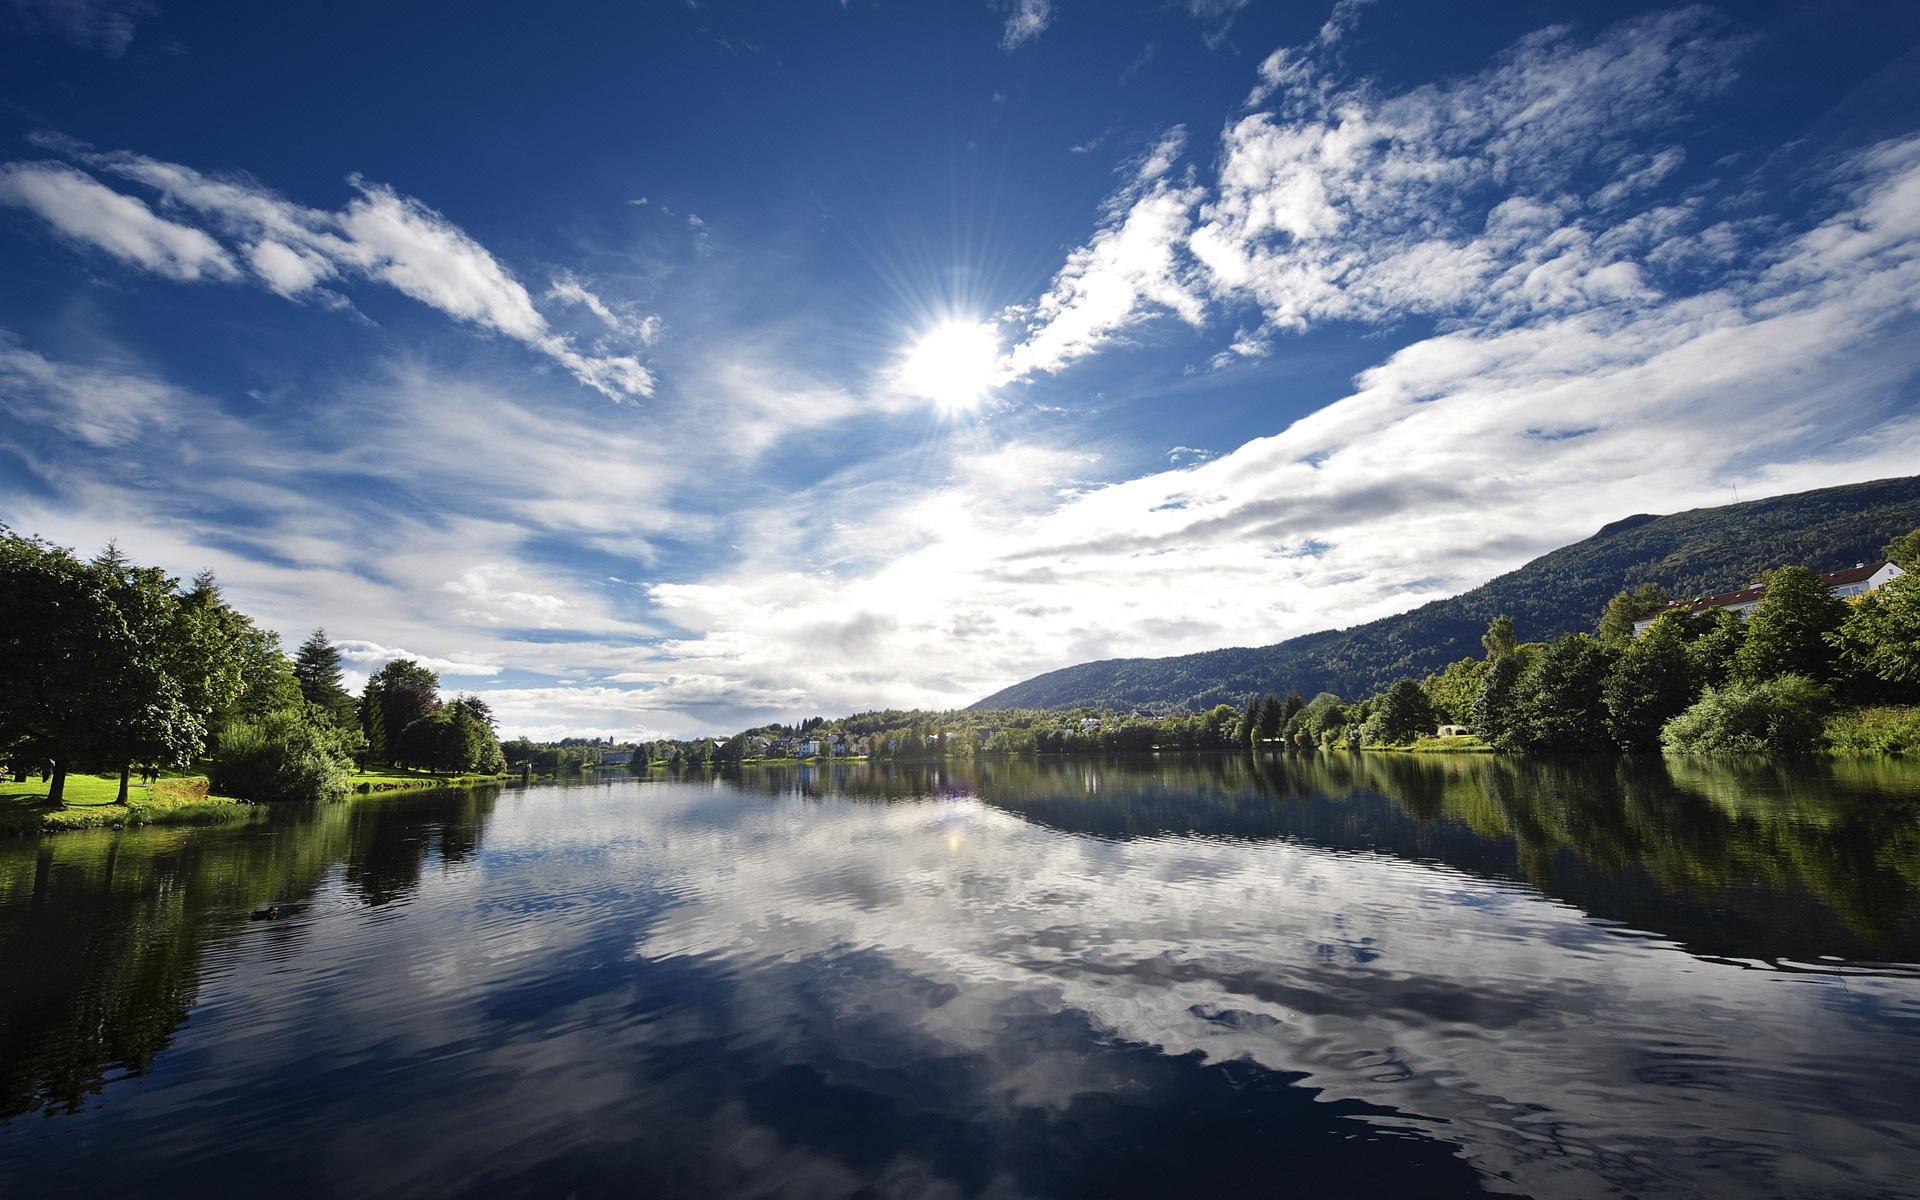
(293,250)
(1129,271)
(1027,20)
(106,26)
(373,655)
(85,210)
(1345,203)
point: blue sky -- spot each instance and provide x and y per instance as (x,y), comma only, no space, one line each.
(668,368)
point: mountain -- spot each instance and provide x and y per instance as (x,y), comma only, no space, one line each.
(1700,551)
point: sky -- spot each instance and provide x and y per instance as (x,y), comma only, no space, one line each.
(663,369)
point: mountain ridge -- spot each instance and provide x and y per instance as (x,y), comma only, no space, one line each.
(1694,552)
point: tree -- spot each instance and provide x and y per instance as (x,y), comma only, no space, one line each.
(1714,643)
(1877,647)
(1904,551)
(95,658)
(1453,689)
(1499,640)
(1787,633)
(1493,707)
(397,695)
(1616,622)
(316,665)
(1404,714)
(1557,706)
(1651,683)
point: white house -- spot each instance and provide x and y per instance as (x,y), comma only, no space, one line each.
(1856,580)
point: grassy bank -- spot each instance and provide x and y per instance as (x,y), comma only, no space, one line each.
(91,802)
(397,779)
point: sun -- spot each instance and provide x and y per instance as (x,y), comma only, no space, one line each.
(954,364)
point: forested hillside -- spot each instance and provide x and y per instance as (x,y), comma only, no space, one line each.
(1700,551)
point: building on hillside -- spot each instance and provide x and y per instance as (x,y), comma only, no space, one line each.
(1856,580)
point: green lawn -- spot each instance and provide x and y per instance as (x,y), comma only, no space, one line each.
(390,779)
(90,803)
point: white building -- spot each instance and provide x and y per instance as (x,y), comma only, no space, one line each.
(1856,580)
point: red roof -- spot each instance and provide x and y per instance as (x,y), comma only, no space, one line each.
(1832,579)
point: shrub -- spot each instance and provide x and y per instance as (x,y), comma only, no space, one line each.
(1782,715)
(285,755)
(1885,729)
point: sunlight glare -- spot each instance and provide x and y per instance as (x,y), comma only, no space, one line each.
(953,364)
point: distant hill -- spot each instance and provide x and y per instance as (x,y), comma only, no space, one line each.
(1691,553)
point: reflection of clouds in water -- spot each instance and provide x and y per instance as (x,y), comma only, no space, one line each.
(666,989)
(1555,1047)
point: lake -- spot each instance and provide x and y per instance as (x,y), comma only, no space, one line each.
(1358,975)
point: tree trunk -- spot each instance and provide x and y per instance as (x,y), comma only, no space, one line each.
(57,790)
(126,769)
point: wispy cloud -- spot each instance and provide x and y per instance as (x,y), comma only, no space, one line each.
(105,26)
(1131,270)
(87,211)
(1027,21)
(305,253)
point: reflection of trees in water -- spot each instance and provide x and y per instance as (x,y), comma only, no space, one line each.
(104,934)
(390,843)
(1717,853)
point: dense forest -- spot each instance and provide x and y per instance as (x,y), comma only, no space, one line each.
(1691,553)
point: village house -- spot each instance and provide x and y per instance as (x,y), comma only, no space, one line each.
(1856,580)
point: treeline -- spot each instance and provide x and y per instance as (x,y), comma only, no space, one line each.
(106,665)
(1805,671)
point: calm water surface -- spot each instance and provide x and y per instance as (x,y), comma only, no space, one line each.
(1358,976)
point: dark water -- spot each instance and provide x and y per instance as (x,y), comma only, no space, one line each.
(1364,976)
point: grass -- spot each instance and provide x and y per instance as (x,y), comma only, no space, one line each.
(1464,743)
(91,802)
(394,779)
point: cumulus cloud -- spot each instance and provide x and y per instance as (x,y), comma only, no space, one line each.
(374,655)
(302,253)
(1338,201)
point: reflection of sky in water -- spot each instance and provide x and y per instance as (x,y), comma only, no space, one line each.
(686,990)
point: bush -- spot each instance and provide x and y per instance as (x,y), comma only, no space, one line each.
(1783,715)
(1886,729)
(285,755)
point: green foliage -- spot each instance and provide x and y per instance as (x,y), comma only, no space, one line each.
(397,695)
(283,755)
(99,661)
(1404,713)
(1781,715)
(1500,639)
(1717,638)
(1452,691)
(1883,729)
(1651,683)
(316,665)
(1556,707)
(1904,551)
(1877,646)
(1690,553)
(1787,633)
(1493,706)
(1631,604)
